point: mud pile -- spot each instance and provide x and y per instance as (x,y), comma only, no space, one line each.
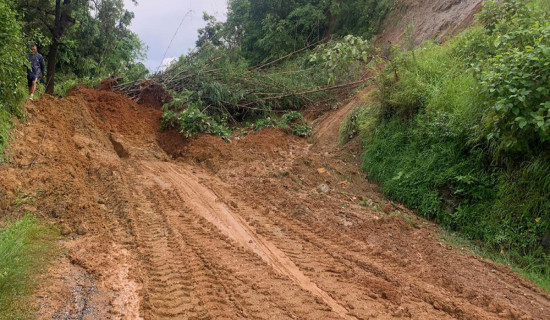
(66,147)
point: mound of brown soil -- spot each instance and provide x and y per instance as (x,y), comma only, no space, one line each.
(117,114)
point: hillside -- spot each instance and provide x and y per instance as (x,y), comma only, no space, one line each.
(269,226)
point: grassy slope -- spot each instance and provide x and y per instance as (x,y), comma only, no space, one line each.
(422,143)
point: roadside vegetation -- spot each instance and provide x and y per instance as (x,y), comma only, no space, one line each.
(461,131)
(12,61)
(27,247)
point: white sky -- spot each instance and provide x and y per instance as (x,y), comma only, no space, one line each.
(156,21)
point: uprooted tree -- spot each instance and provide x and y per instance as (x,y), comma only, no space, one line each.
(218,83)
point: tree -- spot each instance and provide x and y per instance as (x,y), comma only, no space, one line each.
(265,30)
(63,11)
(211,33)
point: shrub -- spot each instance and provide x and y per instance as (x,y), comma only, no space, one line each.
(513,67)
(192,121)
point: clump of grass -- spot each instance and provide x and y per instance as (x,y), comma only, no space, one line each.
(26,249)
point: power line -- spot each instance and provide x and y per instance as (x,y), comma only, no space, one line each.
(173,37)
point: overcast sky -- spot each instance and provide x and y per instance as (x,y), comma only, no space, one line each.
(156,22)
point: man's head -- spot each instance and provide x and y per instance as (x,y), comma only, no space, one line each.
(34,49)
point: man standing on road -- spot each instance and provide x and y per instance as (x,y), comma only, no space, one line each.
(37,68)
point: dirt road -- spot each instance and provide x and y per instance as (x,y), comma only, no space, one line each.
(267,227)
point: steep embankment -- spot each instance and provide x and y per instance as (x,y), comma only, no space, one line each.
(262,228)
(430,19)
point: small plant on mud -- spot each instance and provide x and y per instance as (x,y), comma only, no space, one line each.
(192,121)
(295,122)
(292,121)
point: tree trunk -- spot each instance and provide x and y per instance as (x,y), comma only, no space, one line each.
(332,25)
(52,60)
(62,19)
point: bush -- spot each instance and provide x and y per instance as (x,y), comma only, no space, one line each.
(295,122)
(513,67)
(292,122)
(192,121)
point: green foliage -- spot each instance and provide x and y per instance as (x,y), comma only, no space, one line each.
(266,30)
(96,43)
(12,57)
(360,17)
(66,82)
(217,82)
(295,121)
(211,33)
(191,120)
(361,121)
(12,68)
(292,121)
(337,57)
(513,67)
(26,247)
(100,44)
(428,145)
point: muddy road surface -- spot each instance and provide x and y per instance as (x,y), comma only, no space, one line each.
(267,227)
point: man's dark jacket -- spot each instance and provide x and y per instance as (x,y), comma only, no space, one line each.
(37,66)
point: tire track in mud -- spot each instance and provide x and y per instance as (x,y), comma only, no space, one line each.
(202,201)
(180,282)
(375,281)
(360,274)
(380,275)
(245,279)
(167,287)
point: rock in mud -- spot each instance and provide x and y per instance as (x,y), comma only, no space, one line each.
(65,230)
(323,188)
(387,208)
(81,230)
